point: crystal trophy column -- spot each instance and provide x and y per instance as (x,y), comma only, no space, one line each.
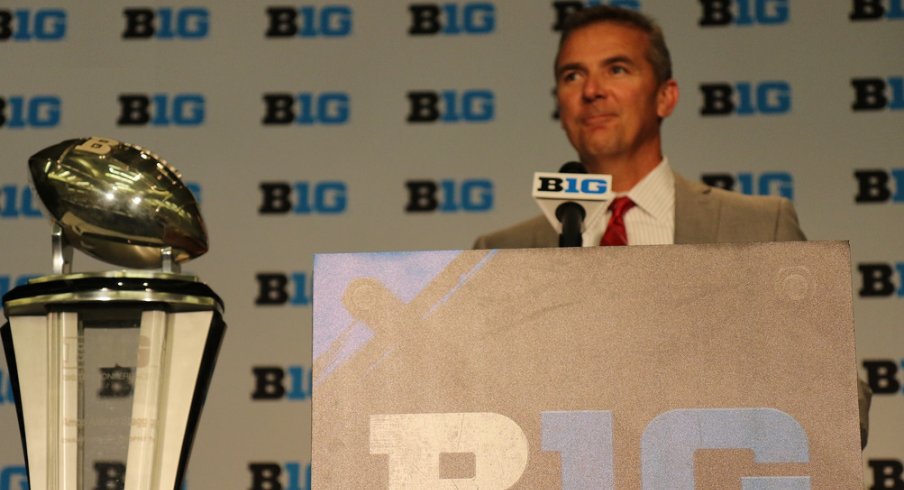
(110,369)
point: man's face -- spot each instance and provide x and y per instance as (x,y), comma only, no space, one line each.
(609,99)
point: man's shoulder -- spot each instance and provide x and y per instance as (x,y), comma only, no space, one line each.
(535,232)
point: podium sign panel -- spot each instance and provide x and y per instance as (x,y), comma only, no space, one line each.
(660,367)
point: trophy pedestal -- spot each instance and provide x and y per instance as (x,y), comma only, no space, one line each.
(110,373)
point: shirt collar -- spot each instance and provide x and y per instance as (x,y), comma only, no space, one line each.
(655,193)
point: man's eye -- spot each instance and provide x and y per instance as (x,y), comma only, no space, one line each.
(617,69)
(570,76)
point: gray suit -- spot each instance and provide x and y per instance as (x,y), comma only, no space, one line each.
(702,215)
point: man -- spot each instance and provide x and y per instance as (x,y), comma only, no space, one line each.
(614,88)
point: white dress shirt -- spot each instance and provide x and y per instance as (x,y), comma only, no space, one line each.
(652,219)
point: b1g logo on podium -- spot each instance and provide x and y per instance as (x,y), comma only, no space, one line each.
(877,9)
(32,25)
(746,98)
(275,476)
(430,19)
(309,21)
(450,106)
(184,109)
(875,186)
(327,197)
(37,111)
(449,196)
(278,289)
(717,13)
(306,109)
(564,8)
(749,183)
(191,23)
(273,383)
(876,94)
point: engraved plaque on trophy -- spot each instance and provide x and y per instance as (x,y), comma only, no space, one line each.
(110,369)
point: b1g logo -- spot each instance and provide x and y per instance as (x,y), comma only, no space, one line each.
(874,186)
(450,106)
(13,478)
(273,476)
(877,9)
(878,280)
(745,98)
(28,25)
(191,23)
(38,111)
(328,197)
(744,12)
(564,8)
(278,289)
(764,184)
(186,110)
(309,21)
(886,474)
(18,201)
(429,19)
(306,109)
(876,94)
(884,375)
(277,383)
(449,196)
(7,397)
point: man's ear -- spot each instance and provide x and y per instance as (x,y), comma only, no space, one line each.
(666,99)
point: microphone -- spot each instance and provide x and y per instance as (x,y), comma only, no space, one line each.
(572,200)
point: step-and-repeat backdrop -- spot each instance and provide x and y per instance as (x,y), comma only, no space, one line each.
(320,126)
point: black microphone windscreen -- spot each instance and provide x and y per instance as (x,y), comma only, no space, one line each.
(573,168)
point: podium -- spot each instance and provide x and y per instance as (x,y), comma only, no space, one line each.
(655,367)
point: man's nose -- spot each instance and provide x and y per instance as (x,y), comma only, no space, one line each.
(594,88)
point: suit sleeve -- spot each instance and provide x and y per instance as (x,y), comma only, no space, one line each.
(787,228)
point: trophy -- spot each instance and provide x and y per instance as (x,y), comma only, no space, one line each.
(110,369)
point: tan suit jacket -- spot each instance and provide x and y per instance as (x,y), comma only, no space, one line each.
(702,215)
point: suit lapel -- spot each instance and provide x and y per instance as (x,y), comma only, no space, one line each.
(696,212)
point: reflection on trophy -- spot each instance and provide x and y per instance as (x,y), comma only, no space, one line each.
(110,369)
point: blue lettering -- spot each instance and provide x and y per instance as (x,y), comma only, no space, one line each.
(13,478)
(301,380)
(303,288)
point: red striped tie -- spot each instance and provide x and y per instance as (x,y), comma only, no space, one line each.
(616,234)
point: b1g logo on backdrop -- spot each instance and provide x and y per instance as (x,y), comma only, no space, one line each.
(306,109)
(451,106)
(7,397)
(161,110)
(309,21)
(449,196)
(886,474)
(763,184)
(275,476)
(877,9)
(327,197)
(430,19)
(876,94)
(13,477)
(279,289)
(18,201)
(277,383)
(884,375)
(746,98)
(744,12)
(879,186)
(881,280)
(36,111)
(32,25)
(190,23)
(564,8)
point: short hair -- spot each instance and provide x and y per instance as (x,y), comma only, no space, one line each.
(657,55)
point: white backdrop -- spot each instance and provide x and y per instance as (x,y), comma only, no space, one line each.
(206,69)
